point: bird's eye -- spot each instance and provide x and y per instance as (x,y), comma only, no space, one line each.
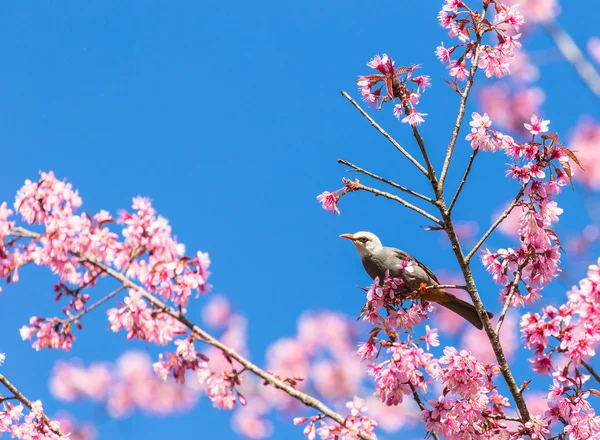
(363,239)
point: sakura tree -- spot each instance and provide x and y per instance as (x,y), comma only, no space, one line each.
(133,261)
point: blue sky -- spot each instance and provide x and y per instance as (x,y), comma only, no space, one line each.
(228,115)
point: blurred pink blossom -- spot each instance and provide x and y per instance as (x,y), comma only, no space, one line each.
(479,345)
(593,47)
(77,431)
(537,11)
(509,107)
(585,140)
(128,385)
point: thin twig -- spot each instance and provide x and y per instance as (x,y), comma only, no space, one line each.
(384,180)
(500,219)
(511,293)
(430,171)
(385,134)
(591,370)
(464,179)
(569,49)
(360,186)
(25,401)
(461,109)
(93,306)
(421,405)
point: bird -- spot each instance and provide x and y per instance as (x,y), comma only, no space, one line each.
(377,259)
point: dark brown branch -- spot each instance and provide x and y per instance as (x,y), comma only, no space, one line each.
(569,49)
(464,179)
(487,325)
(361,187)
(384,180)
(500,219)
(385,134)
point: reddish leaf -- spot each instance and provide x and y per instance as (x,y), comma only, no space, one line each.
(403,69)
(571,155)
(555,239)
(553,137)
(567,167)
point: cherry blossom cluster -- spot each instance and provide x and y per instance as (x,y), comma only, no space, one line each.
(571,330)
(355,424)
(392,294)
(329,200)
(32,426)
(543,169)
(76,430)
(469,27)
(396,83)
(72,245)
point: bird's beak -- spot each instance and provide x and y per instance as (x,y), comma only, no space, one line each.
(348,236)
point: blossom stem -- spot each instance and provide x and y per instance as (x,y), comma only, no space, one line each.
(500,219)
(361,187)
(464,179)
(421,406)
(462,108)
(511,293)
(384,180)
(385,134)
(569,49)
(25,401)
(93,306)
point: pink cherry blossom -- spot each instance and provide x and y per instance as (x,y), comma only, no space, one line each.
(537,125)
(414,118)
(329,202)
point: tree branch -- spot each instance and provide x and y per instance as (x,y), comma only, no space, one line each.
(500,219)
(511,293)
(361,187)
(487,325)
(384,180)
(461,109)
(569,49)
(385,134)
(464,179)
(25,401)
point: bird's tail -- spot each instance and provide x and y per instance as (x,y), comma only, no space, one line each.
(458,306)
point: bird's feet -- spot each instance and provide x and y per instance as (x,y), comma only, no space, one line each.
(423,289)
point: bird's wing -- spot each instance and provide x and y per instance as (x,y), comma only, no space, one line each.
(404,256)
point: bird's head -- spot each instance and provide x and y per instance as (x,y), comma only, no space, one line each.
(366,243)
